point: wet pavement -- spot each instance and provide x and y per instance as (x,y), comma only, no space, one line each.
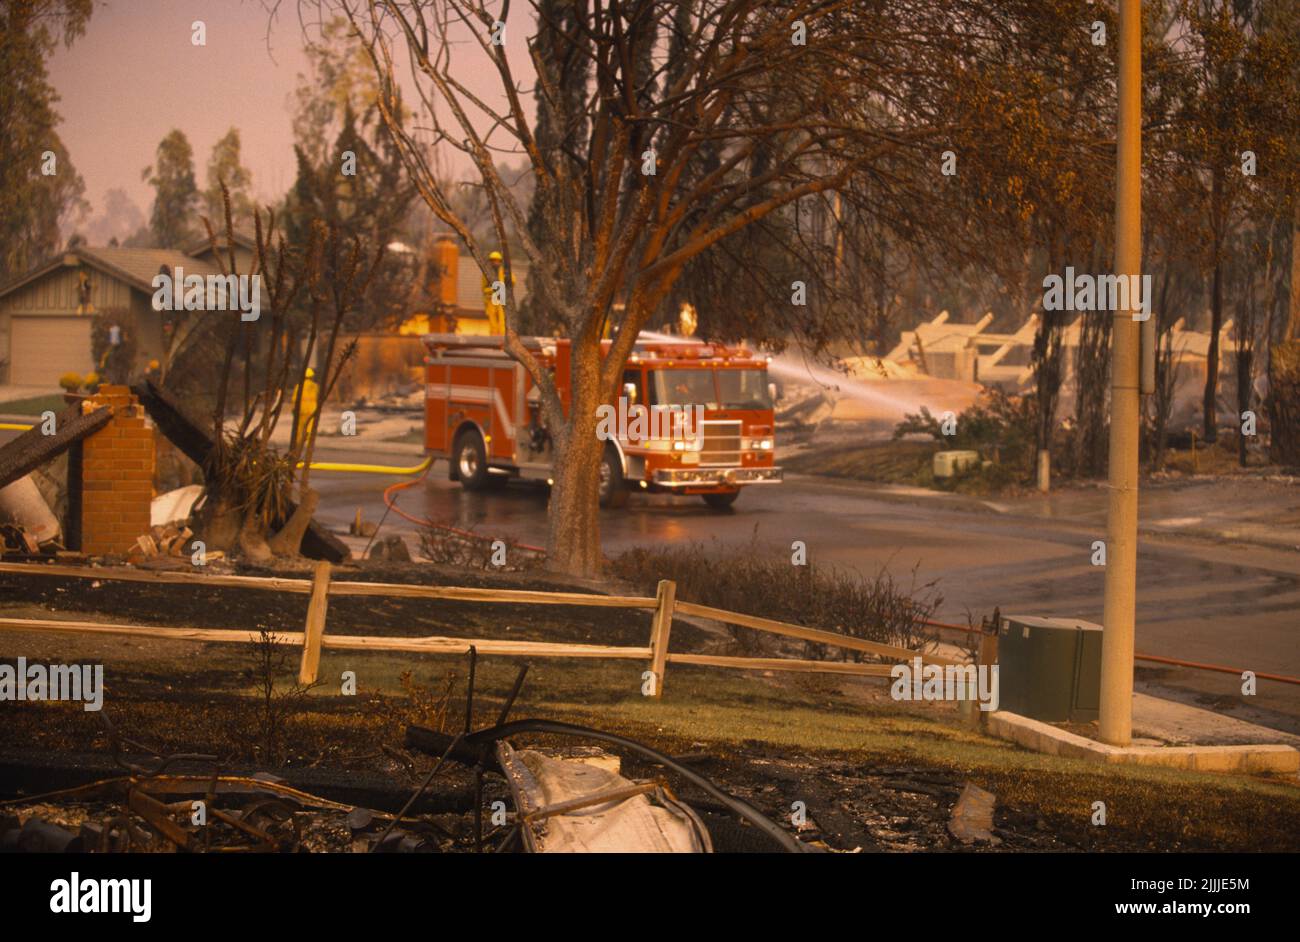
(1200,598)
(1218,565)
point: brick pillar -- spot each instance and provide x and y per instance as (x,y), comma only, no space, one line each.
(117,475)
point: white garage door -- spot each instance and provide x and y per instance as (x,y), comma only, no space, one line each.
(42,349)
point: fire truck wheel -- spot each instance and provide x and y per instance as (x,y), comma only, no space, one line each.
(721,501)
(471,460)
(612,491)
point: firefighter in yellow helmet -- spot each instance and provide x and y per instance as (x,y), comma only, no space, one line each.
(307,411)
(496,313)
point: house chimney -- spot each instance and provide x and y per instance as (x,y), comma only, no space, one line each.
(447,256)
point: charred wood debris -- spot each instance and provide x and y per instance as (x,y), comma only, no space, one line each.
(160,804)
(152,808)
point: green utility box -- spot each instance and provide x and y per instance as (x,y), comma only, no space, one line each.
(1049,668)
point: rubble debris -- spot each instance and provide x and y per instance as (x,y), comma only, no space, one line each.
(972,816)
(361,527)
(467,750)
(16,540)
(434,743)
(168,540)
(33,447)
(546,786)
(41,837)
(360,819)
(391,550)
(189,435)
(568,806)
(174,508)
(23,506)
(152,811)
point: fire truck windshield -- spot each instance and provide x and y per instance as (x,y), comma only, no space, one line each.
(713,389)
(743,389)
(685,388)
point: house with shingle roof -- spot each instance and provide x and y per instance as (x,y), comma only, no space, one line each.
(46,315)
(245,246)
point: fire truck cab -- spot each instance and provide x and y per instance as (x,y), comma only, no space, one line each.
(483,414)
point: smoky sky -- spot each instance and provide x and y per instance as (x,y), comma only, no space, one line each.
(135,75)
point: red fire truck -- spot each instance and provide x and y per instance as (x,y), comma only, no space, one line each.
(483,414)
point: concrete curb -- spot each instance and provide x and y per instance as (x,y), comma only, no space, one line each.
(1239,535)
(1043,737)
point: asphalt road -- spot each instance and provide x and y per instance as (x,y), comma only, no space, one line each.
(1200,598)
(1218,565)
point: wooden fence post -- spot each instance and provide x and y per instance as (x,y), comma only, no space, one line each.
(660,631)
(987,658)
(320,588)
(988,653)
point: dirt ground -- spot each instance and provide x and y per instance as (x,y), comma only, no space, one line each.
(872,774)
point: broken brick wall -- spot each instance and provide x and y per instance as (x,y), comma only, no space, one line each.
(117,468)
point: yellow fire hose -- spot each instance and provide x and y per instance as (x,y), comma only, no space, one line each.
(315,465)
(370,468)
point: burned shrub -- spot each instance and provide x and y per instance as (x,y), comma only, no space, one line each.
(1000,427)
(875,609)
(279,696)
(470,551)
(426,705)
(879,608)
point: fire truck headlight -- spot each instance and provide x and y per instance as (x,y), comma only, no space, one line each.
(765,444)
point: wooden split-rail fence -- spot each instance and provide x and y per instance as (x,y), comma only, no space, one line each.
(664,606)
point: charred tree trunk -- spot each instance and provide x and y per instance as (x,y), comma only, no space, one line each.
(252,539)
(1047,376)
(219,523)
(1245,367)
(1209,402)
(288,541)
(1162,402)
(1091,369)
(573,541)
(1045,358)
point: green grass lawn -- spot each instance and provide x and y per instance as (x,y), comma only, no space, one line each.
(886,462)
(34,405)
(905,462)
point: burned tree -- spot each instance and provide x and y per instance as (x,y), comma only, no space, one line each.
(305,296)
(699,121)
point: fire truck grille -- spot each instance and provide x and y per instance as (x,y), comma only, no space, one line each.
(721,445)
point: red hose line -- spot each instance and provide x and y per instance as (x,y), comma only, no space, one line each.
(391,504)
(1219,668)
